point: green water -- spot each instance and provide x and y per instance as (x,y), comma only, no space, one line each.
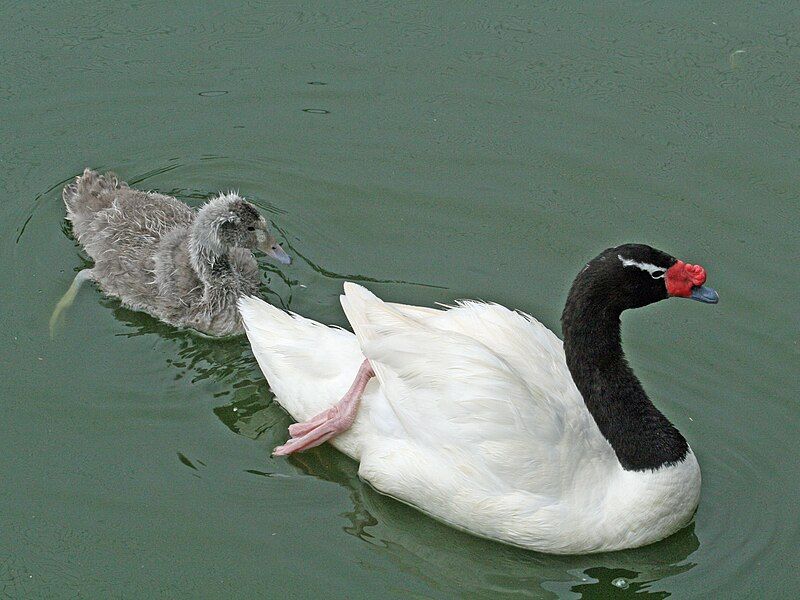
(444,151)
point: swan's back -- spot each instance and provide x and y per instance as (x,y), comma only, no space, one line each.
(122,229)
(108,217)
(477,384)
(87,195)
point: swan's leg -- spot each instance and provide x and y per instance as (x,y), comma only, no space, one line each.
(332,422)
(69,297)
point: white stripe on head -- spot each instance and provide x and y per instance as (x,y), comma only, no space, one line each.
(650,268)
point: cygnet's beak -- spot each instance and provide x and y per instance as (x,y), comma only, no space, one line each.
(268,245)
(276,252)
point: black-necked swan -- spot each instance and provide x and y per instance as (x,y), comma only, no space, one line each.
(479,415)
(156,254)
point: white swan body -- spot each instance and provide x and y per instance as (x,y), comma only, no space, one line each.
(473,417)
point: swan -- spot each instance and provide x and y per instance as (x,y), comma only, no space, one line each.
(481,417)
(156,254)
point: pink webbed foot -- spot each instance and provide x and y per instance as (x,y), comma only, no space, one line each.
(331,422)
(315,437)
(301,429)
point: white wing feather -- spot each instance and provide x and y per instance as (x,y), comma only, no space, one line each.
(480,384)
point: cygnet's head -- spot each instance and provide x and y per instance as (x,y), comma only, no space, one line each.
(230,221)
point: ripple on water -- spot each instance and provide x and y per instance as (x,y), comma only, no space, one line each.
(726,520)
(42,559)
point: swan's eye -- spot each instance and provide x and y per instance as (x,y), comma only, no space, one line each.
(658,274)
(251,229)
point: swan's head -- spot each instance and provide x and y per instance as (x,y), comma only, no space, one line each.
(634,275)
(230,221)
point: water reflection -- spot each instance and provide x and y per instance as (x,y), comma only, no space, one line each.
(452,560)
(227,361)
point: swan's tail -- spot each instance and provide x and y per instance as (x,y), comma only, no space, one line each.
(90,193)
(308,365)
(68,298)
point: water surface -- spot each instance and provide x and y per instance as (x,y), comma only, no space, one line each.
(435,151)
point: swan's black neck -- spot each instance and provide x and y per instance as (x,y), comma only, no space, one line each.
(642,437)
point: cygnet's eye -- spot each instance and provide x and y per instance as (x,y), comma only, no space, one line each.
(251,229)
